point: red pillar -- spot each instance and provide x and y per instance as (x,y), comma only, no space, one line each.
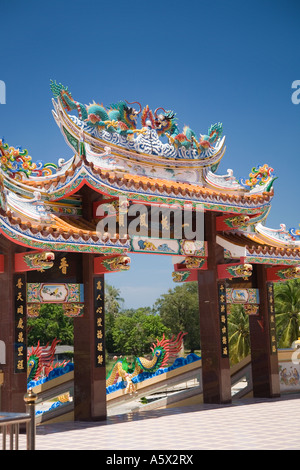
(215,365)
(264,356)
(15,373)
(89,337)
(89,350)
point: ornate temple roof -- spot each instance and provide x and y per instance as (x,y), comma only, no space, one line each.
(41,204)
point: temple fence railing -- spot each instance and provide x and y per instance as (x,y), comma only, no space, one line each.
(12,423)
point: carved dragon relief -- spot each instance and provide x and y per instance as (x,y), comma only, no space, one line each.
(39,261)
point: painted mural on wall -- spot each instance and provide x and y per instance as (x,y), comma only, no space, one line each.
(289,376)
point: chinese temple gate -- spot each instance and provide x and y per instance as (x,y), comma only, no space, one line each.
(64,226)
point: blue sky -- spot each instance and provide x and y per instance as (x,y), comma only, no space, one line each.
(223,61)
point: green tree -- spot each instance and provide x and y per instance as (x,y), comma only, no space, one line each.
(179,311)
(238,334)
(113,302)
(50,324)
(287,309)
(134,334)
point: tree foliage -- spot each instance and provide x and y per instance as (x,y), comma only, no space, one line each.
(50,324)
(238,334)
(287,308)
(179,311)
(112,309)
(134,333)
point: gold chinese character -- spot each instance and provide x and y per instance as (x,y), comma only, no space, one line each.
(223,319)
(99,285)
(224,340)
(99,322)
(99,334)
(20,350)
(222,298)
(20,324)
(224,330)
(99,310)
(20,365)
(63,265)
(99,347)
(21,337)
(20,296)
(225,351)
(222,308)
(100,359)
(20,309)
(222,287)
(273,348)
(19,283)
(99,297)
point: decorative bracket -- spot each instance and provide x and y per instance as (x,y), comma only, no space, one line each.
(277,274)
(229,271)
(33,260)
(111,264)
(225,223)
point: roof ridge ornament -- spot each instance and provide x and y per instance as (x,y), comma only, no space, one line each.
(118,124)
(18,165)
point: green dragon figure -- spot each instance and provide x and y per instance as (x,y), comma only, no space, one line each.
(162,351)
(120,117)
(165,125)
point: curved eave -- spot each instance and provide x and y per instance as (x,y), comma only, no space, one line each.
(281,237)
(44,238)
(149,190)
(252,249)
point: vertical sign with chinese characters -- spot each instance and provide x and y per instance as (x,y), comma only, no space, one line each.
(271,309)
(99,321)
(223,319)
(20,323)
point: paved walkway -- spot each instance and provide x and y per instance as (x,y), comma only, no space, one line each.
(249,424)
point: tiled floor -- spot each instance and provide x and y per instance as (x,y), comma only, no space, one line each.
(248,424)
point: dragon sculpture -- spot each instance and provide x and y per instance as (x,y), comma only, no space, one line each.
(180,276)
(17,164)
(165,125)
(40,361)
(194,263)
(162,351)
(289,273)
(242,270)
(120,117)
(39,261)
(118,263)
